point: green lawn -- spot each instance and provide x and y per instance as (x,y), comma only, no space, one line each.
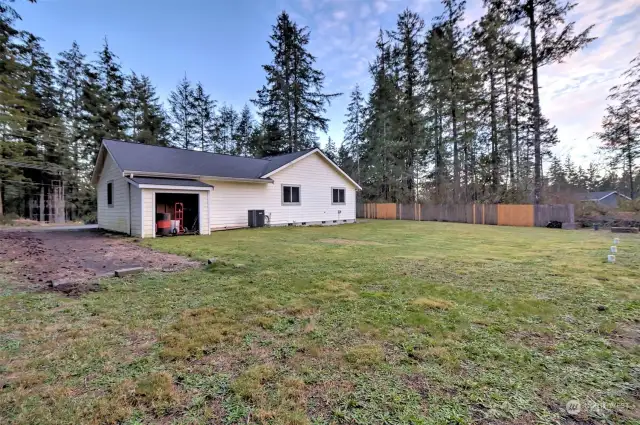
(376,323)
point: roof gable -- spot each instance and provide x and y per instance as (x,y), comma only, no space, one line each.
(305,154)
(598,196)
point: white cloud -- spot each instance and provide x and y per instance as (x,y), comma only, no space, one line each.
(381,6)
(339,15)
(574,93)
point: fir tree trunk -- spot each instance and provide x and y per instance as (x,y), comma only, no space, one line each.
(630,155)
(537,150)
(495,176)
(517,133)
(509,132)
(466,160)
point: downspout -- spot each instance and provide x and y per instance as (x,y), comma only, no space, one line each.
(129,187)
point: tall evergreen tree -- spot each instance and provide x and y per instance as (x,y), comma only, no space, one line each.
(244,131)
(104,101)
(204,112)
(354,129)
(183,115)
(226,130)
(292,100)
(620,134)
(330,150)
(146,119)
(70,81)
(551,39)
(409,62)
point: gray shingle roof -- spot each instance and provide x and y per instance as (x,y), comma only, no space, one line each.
(596,196)
(168,182)
(156,159)
(163,162)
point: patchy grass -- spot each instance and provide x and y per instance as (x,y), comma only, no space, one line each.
(428,303)
(383,322)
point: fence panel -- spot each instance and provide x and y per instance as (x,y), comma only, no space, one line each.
(386,211)
(489,214)
(515,215)
(546,213)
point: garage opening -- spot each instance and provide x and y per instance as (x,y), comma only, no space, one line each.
(177,214)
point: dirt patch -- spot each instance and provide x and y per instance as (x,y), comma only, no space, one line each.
(348,242)
(71,262)
(626,336)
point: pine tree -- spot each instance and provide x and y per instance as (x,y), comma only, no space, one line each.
(244,131)
(226,130)
(354,129)
(292,100)
(378,160)
(449,22)
(70,80)
(13,105)
(409,60)
(330,150)
(551,39)
(183,115)
(103,101)
(145,115)
(204,112)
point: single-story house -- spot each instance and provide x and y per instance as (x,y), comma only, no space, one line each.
(610,198)
(136,182)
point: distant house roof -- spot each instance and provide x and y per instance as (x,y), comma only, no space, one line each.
(157,161)
(599,196)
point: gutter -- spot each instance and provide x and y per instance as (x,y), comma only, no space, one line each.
(132,174)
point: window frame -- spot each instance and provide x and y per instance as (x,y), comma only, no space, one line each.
(344,191)
(290,203)
(110,204)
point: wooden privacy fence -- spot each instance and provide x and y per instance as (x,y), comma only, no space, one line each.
(492,214)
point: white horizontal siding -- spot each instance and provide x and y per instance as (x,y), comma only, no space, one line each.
(136,224)
(231,201)
(116,217)
(315,176)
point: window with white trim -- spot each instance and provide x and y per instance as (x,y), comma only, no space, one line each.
(290,195)
(337,195)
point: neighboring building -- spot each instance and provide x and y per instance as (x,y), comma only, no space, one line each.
(135,182)
(609,198)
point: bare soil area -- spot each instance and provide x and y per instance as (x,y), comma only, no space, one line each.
(72,262)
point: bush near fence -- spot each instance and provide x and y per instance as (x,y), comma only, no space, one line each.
(491,214)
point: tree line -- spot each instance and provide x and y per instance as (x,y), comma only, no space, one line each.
(55,112)
(453,114)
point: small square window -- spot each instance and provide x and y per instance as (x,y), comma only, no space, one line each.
(337,196)
(290,195)
(110,194)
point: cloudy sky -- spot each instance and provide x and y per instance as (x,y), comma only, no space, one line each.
(223,44)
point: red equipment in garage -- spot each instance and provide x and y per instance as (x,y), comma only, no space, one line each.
(179,216)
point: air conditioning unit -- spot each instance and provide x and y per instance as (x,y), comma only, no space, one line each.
(256,218)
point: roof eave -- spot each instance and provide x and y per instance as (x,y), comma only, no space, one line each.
(194,177)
